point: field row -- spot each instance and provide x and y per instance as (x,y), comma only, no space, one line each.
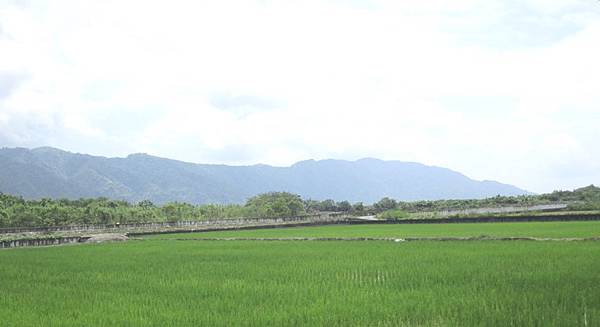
(158,283)
(524,229)
(261,283)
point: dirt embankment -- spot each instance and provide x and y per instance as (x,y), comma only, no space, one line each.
(102,238)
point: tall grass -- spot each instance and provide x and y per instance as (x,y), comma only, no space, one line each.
(190,283)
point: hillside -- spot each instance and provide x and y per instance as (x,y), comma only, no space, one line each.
(50,172)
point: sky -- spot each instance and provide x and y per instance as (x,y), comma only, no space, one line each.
(504,90)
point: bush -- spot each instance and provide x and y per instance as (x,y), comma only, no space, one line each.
(394,214)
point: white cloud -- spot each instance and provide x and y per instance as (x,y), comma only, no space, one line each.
(500,90)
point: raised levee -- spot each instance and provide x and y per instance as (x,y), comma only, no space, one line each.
(177,224)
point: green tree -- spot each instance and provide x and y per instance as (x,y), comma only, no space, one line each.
(311,205)
(177,211)
(276,204)
(385,204)
(327,205)
(358,207)
(99,214)
(344,206)
(4,221)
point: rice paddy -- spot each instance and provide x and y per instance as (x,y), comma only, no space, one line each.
(260,283)
(525,229)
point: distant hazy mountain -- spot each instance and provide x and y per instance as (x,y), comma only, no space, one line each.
(49,172)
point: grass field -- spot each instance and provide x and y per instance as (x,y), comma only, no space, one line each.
(533,229)
(246,283)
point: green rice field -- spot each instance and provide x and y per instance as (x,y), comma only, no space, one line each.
(530,229)
(318,283)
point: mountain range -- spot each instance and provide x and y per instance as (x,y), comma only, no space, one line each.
(53,173)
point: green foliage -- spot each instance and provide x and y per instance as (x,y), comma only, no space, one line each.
(344,206)
(358,208)
(588,193)
(4,218)
(276,204)
(327,205)
(14,211)
(585,198)
(332,206)
(146,204)
(393,214)
(497,201)
(177,211)
(385,204)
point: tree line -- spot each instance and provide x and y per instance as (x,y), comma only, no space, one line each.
(16,211)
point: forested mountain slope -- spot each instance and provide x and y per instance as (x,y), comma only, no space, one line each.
(50,172)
